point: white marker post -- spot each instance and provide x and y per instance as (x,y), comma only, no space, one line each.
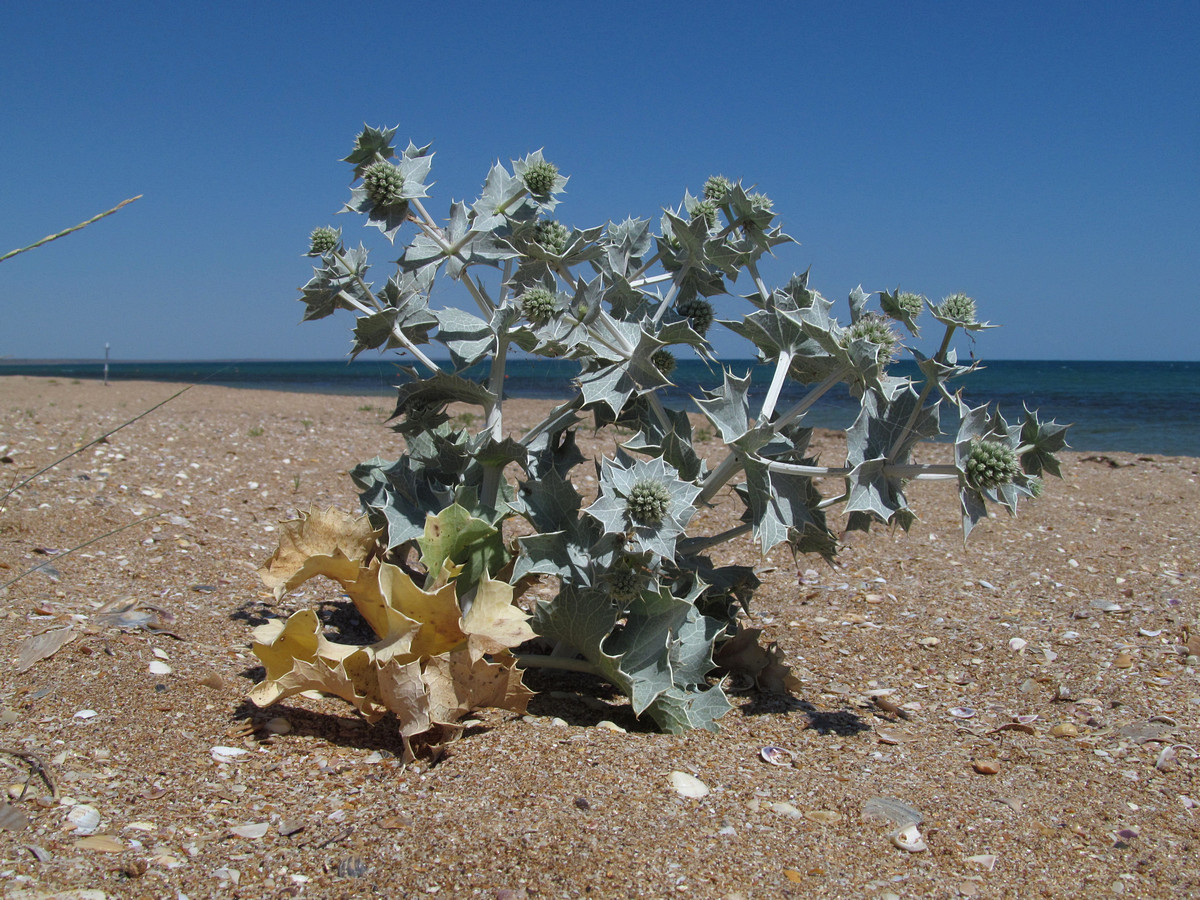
(106,363)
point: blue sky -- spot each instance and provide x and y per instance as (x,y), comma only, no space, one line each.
(1041,157)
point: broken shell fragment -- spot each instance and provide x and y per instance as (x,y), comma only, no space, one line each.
(778,756)
(909,838)
(690,786)
(1065,730)
(962,712)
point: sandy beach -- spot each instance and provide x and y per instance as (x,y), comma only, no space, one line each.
(1032,695)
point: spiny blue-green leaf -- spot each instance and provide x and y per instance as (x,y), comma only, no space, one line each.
(338,283)
(678,711)
(858,303)
(624,247)
(728,407)
(371,145)
(894,306)
(468,338)
(438,390)
(550,503)
(880,423)
(581,618)
(1043,440)
(499,188)
(397,496)
(407,311)
(780,506)
(672,441)
(554,450)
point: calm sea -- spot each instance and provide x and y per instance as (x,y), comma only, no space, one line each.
(1140,407)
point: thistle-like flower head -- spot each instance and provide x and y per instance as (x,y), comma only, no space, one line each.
(648,502)
(624,583)
(644,501)
(991,464)
(664,360)
(539,305)
(551,236)
(698,312)
(384,184)
(539,178)
(910,304)
(958,308)
(874,328)
(324,239)
(717,187)
(761,202)
(707,210)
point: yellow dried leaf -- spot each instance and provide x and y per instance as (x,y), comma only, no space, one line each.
(280,645)
(458,684)
(428,666)
(402,689)
(493,623)
(437,611)
(329,543)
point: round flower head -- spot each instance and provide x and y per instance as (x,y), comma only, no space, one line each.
(538,305)
(385,184)
(991,464)
(539,178)
(624,583)
(717,188)
(323,239)
(875,329)
(698,312)
(707,210)
(647,502)
(761,202)
(959,308)
(551,236)
(911,304)
(664,361)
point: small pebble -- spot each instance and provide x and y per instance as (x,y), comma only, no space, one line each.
(986,766)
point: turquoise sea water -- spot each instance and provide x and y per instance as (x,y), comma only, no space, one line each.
(1139,407)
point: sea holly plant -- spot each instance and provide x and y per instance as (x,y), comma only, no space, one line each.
(457,523)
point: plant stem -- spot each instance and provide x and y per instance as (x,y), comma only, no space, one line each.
(811,397)
(718,477)
(54,237)
(541,661)
(752,268)
(733,463)
(926,390)
(653,279)
(777,380)
(645,267)
(907,471)
(495,423)
(689,546)
(396,331)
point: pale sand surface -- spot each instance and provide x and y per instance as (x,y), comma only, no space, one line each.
(549,805)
